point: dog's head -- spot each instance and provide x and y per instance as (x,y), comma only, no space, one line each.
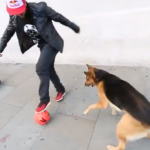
(94,75)
(90,76)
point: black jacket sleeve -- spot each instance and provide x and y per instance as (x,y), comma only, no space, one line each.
(7,35)
(53,15)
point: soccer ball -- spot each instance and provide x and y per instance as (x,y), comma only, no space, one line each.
(42,118)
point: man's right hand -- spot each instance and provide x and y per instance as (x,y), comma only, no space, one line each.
(0,55)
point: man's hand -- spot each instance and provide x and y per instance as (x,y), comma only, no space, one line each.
(75,27)
(0,55)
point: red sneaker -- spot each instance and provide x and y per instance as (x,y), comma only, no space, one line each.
(42,107)
(60,96)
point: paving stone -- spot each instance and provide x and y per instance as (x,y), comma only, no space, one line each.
(105,129)
(66,70)
(23,93)
(5,90)
(22,131)
(6,113)
(19,77)
(67,79)
(67,133)
(22,127)
(3,77)
(10,69)
(146,74)
(79,99)
(67,125)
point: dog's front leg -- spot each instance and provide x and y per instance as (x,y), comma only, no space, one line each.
(94,106)
(103,103)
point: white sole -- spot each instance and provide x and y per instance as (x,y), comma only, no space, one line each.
(61,98)
(44,109)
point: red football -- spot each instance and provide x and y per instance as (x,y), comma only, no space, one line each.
(42,118)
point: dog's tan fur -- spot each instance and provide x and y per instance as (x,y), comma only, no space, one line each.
(128,128)
(103,103)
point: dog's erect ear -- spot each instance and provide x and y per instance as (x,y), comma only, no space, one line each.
(86,73)
(89,67)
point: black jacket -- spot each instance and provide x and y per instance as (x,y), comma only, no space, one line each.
(43,16)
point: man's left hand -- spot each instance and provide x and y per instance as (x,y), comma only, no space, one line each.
(75,28)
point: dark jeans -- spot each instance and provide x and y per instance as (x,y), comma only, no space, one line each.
(46,72)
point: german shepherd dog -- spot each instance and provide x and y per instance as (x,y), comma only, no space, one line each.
(135,123)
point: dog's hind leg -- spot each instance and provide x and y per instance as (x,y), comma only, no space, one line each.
(148,135)
(121,146)
(121,138)
(114,111)
(128,129)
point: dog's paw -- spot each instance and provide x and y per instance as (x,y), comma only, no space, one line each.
(148,136)
(86,112)
(109,147)
(114,112)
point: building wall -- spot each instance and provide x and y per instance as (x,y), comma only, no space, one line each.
(113,32)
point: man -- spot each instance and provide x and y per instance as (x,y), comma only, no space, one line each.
(32,23)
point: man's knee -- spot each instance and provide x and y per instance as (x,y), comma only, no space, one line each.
(40,69)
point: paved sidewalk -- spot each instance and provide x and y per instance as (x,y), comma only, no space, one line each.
(68,129)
